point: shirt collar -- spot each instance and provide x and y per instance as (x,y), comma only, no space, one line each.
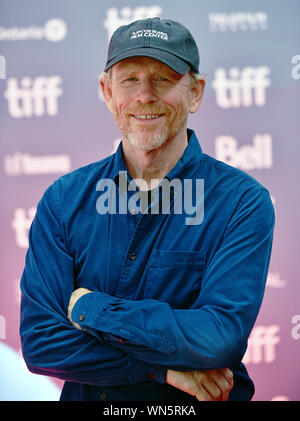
(182,169)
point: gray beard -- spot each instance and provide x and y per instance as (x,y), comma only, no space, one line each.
(148,142)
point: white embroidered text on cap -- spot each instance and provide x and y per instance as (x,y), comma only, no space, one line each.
(151,33)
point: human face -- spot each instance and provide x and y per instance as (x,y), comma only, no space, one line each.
(150,101)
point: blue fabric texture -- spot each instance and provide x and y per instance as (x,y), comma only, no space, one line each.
(166,295)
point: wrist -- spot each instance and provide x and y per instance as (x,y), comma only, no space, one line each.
(75,296)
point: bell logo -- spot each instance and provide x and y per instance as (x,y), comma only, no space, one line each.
(33,97)
(248,157)
(242,87)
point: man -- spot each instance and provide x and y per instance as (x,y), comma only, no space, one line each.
(126,301)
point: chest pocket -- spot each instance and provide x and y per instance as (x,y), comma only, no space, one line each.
(174,277)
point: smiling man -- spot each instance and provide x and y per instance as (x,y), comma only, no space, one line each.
(140,305)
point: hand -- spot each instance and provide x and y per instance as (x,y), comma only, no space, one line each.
(76,294)
(206,385)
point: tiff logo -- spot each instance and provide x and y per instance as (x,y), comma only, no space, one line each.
(241,87)
(2,67)
(248,157)
(126,15)
(33,97)
(261,344)
(21,224)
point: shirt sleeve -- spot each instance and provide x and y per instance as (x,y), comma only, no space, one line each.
(50,344)
(214,332)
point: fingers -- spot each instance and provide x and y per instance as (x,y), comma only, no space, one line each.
(223,386)
(203,395)
(206,385)
(227,373)
(224,380)
(215,384)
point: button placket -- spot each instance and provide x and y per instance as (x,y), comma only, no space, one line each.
(127,286)
(132,256)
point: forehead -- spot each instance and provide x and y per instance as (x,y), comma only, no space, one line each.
(147,64)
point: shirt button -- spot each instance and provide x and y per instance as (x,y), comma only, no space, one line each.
(150,375)
(81,317)
(103,396)
(132,256)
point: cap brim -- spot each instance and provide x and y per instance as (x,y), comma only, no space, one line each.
(176,63)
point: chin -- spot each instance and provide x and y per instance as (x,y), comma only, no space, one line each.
(147,143)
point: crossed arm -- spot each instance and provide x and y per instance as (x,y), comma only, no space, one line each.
(205,385)
(207,338)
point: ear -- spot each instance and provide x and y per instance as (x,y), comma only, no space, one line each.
(106,88)
(197,91)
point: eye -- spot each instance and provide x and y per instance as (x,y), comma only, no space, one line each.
(128,81)
(161,79)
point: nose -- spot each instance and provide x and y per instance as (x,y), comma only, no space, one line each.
(146,92)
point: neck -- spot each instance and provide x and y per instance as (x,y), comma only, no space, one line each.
(149,167)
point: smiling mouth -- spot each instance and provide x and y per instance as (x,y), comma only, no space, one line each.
(145,117)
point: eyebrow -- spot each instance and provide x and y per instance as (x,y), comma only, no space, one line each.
(126,73)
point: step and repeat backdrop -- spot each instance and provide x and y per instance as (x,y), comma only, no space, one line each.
(53,120)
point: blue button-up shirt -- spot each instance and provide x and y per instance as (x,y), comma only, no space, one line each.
(167,294)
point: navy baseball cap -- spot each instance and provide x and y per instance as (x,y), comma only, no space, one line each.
(162,39)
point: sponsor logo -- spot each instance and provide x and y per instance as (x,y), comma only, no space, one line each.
(247,157)
(241,87)
(54,30)
(296,68)
(2,327)
(33,97)
(261,344)
(238,21)
(274,281)
(115,145)
(280,398)
(296,329)
(21,224)
(126,15)
(24,163)
(17,291)
(2,67)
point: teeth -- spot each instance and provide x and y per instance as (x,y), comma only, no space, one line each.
(146,117)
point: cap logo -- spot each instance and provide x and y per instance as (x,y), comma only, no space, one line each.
(151,33)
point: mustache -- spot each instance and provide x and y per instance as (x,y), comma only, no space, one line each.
(148,109)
